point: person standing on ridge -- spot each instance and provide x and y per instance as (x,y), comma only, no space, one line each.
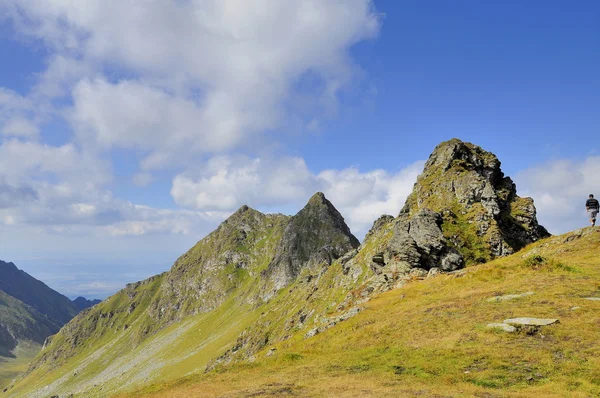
(592,206)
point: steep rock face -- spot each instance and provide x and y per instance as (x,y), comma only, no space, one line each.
(316,235)
(419,241)
(482,215)
(201,279)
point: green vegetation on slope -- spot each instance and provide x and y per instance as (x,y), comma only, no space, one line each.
(268,284)
(29,312)
(429,338)
(209,309)
(13,366)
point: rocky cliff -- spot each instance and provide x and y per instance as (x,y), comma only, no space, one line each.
(463,210)
(316,235)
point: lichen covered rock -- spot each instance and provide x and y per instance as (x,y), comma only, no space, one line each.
(483,217)
(316,235)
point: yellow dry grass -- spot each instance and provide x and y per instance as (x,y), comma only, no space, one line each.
(429,338)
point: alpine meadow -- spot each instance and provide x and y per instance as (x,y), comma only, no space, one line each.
(299,198)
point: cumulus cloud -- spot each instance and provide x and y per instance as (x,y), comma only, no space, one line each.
(177,86)
(19,127)
(364,196)
(62,189)
(560,189)
(225,183)
(201,76)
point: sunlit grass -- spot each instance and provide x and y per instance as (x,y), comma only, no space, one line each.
(429,338)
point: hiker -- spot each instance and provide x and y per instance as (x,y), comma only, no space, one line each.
(592,206)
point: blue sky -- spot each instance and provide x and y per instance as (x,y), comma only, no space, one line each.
(129,131)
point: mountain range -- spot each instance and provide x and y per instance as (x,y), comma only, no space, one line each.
(281,299)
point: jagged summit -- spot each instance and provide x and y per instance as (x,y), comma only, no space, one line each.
(318,197)
(317,234)
(243,212)
(474,156)
(483,217)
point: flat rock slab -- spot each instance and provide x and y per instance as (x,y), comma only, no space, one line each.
(509,297)
(502,326)
(531,321)
(593,298)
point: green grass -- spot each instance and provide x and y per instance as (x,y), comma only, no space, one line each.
(12,367)
(429,338)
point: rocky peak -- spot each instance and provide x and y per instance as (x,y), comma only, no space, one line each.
(482,215)
(316,235)
(470,156)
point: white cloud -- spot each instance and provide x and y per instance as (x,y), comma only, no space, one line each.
(20,161)
(203,76)
(142,179)
(225,183)
(560,189)
(363,197)
(19,127)
(62,189)
(171,84)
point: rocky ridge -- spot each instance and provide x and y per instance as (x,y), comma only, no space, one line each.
(462,211)
(260,279)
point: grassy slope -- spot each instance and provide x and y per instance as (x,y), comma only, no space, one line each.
(12,367)
(118,344)
(429,338)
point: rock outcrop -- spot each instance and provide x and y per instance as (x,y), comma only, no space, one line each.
(316,235)
(417,242)
(462,210)
(482,215)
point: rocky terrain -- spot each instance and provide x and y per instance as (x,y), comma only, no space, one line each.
(482,215)
(260,280)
